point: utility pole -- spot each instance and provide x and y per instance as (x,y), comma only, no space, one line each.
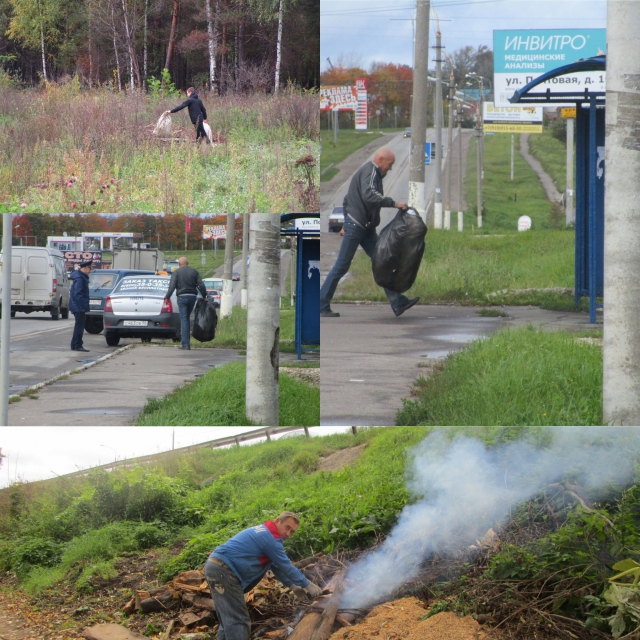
(460,212)
(5,322)
(447,194)
(437,200)
(478,170)
(336,125)
(419,110)
(226,301)
(513,154)
(245,249)
(570,213)
(621,341)
(263,321)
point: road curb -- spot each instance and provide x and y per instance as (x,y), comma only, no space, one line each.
(35,387)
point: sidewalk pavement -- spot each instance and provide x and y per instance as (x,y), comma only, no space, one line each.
(370,358)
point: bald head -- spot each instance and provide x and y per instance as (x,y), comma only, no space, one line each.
(384,158)
(182,262)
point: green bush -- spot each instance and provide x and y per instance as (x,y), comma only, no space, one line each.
(35,553)
(150,534)
(559,129)
(304,461)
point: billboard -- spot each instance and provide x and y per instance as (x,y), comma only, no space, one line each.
(520,56)
(209,232)
(361,108)
(332,98)
(72,259)
(511,119)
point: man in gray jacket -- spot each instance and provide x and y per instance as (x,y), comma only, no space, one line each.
(186,282)
(362,205)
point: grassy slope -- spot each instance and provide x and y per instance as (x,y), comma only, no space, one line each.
(522,377)
(349,141)
(217,398)
(552,155)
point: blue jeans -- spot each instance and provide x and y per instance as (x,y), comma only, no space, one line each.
(186,304)
(231,609)
(354,236)
(78,329)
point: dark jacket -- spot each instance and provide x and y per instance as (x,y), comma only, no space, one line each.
(186,280)
(252,552)
(196,108)
(365,197)
(79,297)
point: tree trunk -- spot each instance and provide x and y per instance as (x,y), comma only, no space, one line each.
(145,55)
(44,58)
(172,35)
(278,50)
(133,62)
(212,31)
(223,59)
(240,54)
(115,48)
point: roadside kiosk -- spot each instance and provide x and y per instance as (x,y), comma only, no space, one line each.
(590,135)
(307,307)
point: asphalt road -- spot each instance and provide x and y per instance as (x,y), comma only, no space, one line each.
(396,182)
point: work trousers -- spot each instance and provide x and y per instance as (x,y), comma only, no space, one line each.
(200,132)
(354,236)
(78,329)
(228,597)
(185,305)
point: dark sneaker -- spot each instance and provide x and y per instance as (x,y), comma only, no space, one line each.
(186,348)
(327,313)
(407,305)
(81,349)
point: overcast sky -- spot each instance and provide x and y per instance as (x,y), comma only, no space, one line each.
(37,453)
(369,31)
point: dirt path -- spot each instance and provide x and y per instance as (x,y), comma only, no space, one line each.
(549,185)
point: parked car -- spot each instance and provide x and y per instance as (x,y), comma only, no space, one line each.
(214,296)
(101,284)
(213,289)
(336,219)
(136,308)
(39,281)
(407,133)
(236,276)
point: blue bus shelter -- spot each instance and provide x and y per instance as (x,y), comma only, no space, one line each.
(589,200)
(307,309)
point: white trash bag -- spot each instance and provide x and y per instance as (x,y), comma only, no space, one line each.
(207,130)
(163,126)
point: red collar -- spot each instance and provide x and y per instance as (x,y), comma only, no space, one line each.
(271,525)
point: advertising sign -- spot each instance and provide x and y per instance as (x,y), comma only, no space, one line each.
(72,259)
(512,119)
(520,56)
(209,231)
(332,98)
(568,112)
(307,224)
(361,109)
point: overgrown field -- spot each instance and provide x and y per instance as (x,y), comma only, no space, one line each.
(515,377)
(217,398)
(546,574)
(552,155)
(93,151)
(468,268)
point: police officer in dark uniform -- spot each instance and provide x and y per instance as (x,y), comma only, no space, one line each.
(79,302)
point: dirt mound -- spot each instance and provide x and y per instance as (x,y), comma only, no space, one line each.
(401,619)
(340,459)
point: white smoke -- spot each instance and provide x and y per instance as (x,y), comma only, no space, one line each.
(460,489)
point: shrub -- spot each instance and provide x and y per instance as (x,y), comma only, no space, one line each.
(35,553)
(150,534)
(304,461)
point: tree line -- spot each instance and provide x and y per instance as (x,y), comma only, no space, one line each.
(221,45)
(162,231)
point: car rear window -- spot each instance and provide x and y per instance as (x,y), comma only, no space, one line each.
(144,285)
(99,280)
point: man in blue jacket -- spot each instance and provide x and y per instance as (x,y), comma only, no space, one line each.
(197,113)
(79,303)
(240,563)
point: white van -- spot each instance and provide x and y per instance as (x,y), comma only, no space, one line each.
(39,281)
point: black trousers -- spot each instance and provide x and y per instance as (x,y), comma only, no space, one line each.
(78,329)
(200,132)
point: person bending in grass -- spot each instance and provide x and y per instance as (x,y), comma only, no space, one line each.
(239,564)
(197,113)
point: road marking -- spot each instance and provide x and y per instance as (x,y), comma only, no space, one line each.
(35,333)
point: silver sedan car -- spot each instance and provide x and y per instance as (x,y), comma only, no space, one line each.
(136,308)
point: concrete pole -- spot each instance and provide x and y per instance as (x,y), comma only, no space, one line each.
(336,125)
(513,154)
(417,198)
(245,251)
(5,323)
(226,301)
(570,211)
(292,270)
(437,200)
(447,193)
(460,213)
(263,321)
(478,173)
(621,343)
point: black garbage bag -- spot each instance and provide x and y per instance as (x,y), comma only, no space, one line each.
(399,250)
(205,320)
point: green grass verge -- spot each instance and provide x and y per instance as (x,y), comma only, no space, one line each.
(194,256)
(517,377)
(463,268)
(552,155)
(505,200)
(218,399)
(349,141)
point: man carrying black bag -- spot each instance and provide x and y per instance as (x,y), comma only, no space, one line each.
(362,206)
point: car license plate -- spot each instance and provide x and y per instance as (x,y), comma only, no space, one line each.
(135,323)
(95,302)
